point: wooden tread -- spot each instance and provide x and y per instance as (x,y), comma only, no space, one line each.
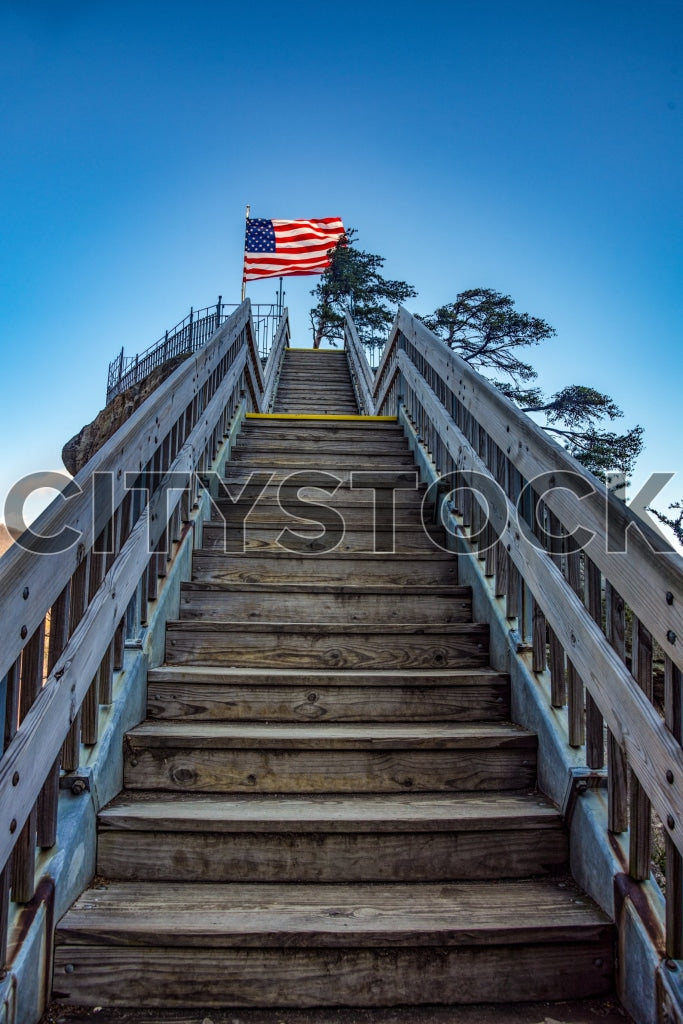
(345,569)
(302,695)
(327,645)
(326,736)
(300,602)
(257,757)
(221,916)
(485,812)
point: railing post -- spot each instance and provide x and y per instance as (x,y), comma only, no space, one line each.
(166,346)
(120,368)
(189,347)
(218,311)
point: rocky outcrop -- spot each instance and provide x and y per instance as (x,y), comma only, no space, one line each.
(81,448)
(5,539)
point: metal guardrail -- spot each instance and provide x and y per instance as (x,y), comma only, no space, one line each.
(189,335)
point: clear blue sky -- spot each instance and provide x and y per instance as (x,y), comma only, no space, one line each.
(532,147)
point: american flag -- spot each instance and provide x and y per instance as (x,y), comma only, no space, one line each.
(276,248)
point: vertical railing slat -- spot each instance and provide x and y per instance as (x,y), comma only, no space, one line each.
(617,772)
(640,840)
(595,730)
(673,716)
(576,723)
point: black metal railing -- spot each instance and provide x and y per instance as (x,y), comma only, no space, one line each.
(186,337)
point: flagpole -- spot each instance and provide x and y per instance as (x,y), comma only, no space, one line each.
(244,283)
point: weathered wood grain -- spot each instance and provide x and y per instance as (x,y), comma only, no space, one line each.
(361,977)
(399,570)
(316,602)
(453,645)
(418,855)
(203,699)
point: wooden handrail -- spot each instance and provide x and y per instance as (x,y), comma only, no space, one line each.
(652,751)
(361,373)
(272,367)
(552,539)
(27,761)
(41,577)
(84,599)
(642,576)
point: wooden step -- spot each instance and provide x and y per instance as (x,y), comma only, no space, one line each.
(313,945)
(361,427)
(327,646)
(291,512)
(243,757)
(303,602)
(318,458)
(380,477)
(391,838)
(278,446)
(343,569)
(205,693)
(332,534)
(332,405)
(295,497)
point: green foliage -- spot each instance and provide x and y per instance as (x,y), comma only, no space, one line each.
(485,329)
(353,283)
(674,524)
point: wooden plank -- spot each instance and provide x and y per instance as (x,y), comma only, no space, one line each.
(32,661)
(276,761)
(48,808)
(5,875)
(400,570)
(24,860)
(595,728)
(225,915)
(673,716)
(202,699)
(289,603)
(403,813)
(11,722)
(185,770)
(315,978)
(617,765)
(314,539)
(640,817)
(269,855)
(270,371)
(59,627)
(453,645)
(327,736)
(576,698)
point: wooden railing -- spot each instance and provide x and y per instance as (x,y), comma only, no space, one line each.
(69,602)
(361,374)
(271,370)
(593,589)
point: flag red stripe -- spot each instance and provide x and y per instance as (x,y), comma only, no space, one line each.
(301,247)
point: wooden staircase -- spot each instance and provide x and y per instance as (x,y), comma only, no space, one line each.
(327,804)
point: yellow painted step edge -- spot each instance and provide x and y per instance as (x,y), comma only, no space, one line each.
(330,351)
(317,416)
